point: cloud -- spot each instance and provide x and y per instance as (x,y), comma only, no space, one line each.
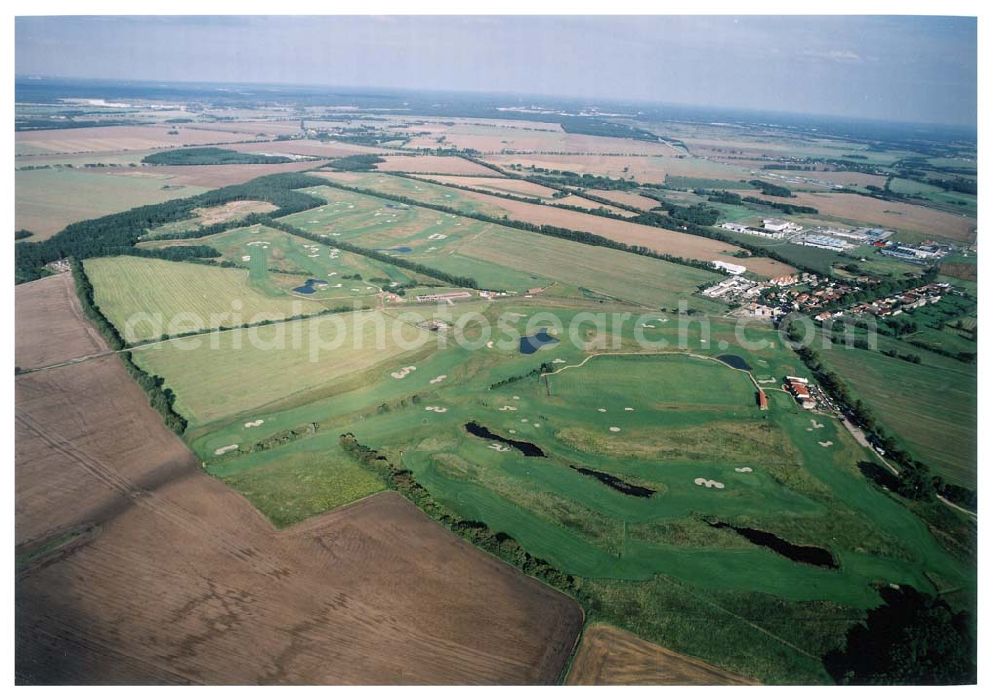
(834,55)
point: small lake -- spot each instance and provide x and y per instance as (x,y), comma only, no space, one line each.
(616,483)
(526,447)
(404,249)
(806,554)
(310,286)
(734,361)
(532,343)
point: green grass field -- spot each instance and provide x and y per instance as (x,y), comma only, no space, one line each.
(299,485)
(48,200)
(146,298)
(930,407)
(239,371)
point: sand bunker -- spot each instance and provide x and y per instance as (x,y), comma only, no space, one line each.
(489,344)
(515,397)
(601,409)
(254,423)
(745,469)
(508,408)
(764,381)
(245,258)
(709,483)
(512,431)
(438,379)
(630,409)
(558,361)
(816,425)
(500,448)
(615,429)
(226,449)
(436,236)
(435,408)
(537,425)
(403,372)
(825,444)
(649,327)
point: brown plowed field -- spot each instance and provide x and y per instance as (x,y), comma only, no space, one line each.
(610,656)
(48,325)
(135,567)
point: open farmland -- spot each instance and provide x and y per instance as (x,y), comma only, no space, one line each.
(146,298)
(135,567)
(430,164)
(930,407)
(609,656)
(626,198)
(657,239)
(117,138)
(46,201)
(48,307)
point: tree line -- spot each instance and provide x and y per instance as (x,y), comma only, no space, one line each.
(160,398)
(114,233)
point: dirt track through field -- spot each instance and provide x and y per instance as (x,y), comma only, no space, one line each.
(134,566)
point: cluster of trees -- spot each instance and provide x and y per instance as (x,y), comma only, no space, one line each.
(161,399)
(211,156)
(116,233)
(450,279)
(476,532)
(771,189)
(699,214)
(787,209)
(912,639)
(597,127)
(22,234)
(355,163)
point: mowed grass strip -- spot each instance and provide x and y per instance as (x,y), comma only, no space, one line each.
(237,371)
(146,298)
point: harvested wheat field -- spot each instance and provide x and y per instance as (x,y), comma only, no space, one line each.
(116,139)
(134,566)
(610,656)
(432,164)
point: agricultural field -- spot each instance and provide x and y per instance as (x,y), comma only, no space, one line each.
(117,138)
(930,407)
(657,239)
(609,656)
(48,200)
(147,298)
(128,555)
(429,164)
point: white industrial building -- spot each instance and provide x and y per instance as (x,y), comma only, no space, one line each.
(729,267)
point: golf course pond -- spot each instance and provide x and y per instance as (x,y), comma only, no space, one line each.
(309,286)
(807,554)
(734,361)
(525,447)
(532,343)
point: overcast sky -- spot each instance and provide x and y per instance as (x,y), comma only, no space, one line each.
(895,68)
